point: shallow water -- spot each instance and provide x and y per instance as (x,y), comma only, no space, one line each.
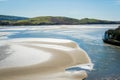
(89,37)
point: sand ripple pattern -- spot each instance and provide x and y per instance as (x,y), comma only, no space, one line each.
(45,59)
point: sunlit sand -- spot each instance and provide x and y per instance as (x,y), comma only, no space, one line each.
(44,59)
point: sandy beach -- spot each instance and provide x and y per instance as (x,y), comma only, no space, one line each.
(44,59)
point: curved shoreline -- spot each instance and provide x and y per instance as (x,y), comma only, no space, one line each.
(60,60)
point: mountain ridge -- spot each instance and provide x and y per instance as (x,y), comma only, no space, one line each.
(9,17)
(50,20)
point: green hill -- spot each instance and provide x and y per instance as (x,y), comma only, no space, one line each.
(50,20)
(96,21)
(7,17)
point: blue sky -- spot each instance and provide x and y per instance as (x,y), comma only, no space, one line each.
(100,9)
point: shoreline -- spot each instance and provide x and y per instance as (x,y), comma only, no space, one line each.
(72,55)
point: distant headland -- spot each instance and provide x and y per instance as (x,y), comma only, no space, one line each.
(49,20)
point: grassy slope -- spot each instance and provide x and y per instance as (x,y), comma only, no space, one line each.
(50,20)
(96,21)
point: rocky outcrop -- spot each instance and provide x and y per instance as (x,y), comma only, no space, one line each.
(112,36)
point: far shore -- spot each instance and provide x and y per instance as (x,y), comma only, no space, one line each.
(62,24)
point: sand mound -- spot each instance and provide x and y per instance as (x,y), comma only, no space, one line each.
(43,59)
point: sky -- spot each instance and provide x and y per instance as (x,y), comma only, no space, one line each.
(99,9)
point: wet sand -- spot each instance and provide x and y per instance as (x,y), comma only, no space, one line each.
(63,54)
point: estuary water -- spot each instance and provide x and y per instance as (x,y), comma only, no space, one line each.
(105,57)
